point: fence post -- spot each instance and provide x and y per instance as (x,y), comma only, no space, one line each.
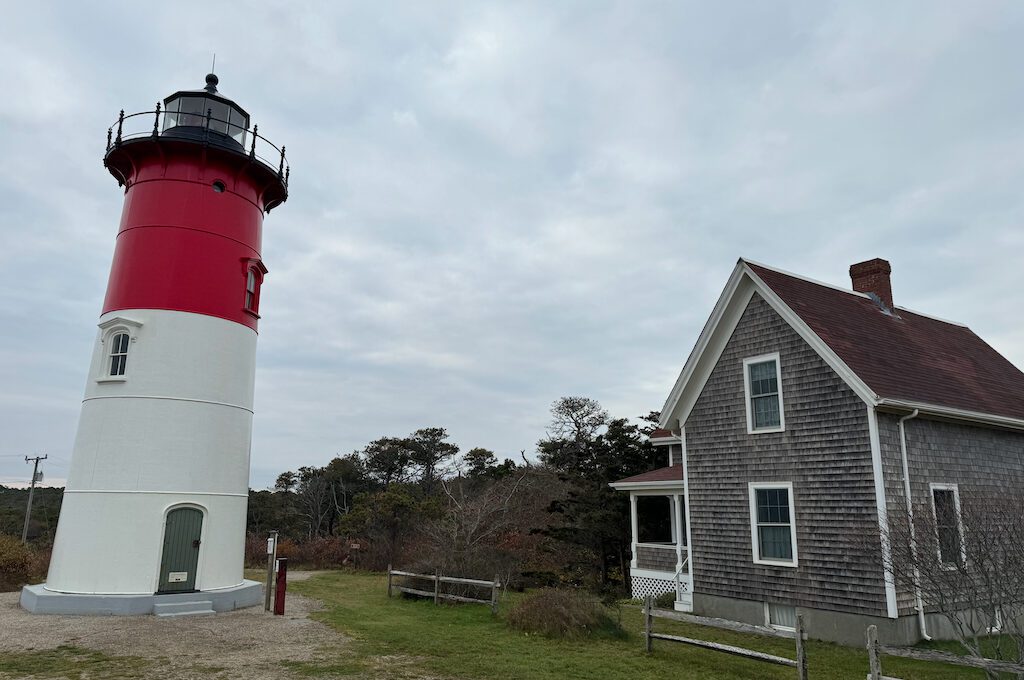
(801,653)
(648,621)
(437,586)
(389,579)
(494,595)
(874,663)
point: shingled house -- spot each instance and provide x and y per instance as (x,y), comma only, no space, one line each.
(802,420)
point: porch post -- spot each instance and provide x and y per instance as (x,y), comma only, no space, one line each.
(634,527)
(672,519)
(677,532)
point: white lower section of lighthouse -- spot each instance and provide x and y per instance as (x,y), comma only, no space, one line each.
(171,431)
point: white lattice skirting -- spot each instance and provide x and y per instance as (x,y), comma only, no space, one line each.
(644,585)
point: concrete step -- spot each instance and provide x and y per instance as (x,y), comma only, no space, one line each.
(193,608)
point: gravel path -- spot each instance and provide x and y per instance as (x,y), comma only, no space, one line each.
(247,643)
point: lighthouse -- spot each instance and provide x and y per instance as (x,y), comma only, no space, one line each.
(154,512)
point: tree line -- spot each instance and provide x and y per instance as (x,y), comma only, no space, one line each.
(418,502)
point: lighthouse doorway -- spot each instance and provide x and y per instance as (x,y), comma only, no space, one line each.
(182,538)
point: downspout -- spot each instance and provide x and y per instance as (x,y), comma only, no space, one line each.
(919,602)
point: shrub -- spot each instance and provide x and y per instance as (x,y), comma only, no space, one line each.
(328,552)
(255,551)
(20,564)
(289,550)
(563,613)
(665,600)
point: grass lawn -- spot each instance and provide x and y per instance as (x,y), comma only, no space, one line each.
(73,663)
(401,638)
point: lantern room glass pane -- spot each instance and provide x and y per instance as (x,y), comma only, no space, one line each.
(171,114)
(219,112)
(238,123)
(192,111)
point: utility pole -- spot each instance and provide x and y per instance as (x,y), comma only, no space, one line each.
(31,491)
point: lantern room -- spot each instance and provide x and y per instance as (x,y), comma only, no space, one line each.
(190,113)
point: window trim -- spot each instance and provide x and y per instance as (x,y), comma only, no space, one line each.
(749,404)
(955,488)
(111,328)
(752,489)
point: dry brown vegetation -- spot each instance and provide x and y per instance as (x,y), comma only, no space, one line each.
(21,564)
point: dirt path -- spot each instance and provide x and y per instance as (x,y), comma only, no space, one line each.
(248,643)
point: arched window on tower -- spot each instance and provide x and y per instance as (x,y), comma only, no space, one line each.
(118,353)
(117,335)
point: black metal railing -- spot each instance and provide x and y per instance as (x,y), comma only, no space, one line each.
(214,131)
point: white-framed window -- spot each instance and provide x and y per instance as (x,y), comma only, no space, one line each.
(773,523)
(762,387)
(118,353)
(118,334)
(780,616)
(949,526)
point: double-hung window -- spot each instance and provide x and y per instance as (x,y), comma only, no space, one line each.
(118,354)
(762,383)
(117,338)
(772,523)
(948,527)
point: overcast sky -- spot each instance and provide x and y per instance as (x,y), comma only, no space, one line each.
(497,204)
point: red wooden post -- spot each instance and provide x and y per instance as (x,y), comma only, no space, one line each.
(282,585)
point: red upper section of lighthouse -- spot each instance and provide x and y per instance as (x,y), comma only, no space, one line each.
(193,214)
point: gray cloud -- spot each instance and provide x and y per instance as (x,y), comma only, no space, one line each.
(497,204)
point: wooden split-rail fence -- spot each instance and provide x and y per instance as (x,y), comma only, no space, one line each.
(876,650)
(800,663)
(438,592)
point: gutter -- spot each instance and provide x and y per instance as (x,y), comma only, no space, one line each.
(952,413)
(919,603)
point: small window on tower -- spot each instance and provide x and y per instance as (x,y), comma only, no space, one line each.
(119,353)
(118,334)
(252,291)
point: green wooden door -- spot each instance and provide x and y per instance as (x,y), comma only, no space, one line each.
(181,550)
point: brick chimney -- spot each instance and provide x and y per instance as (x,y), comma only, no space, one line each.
(873,277)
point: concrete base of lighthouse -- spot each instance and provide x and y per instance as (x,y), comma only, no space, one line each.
(38,600)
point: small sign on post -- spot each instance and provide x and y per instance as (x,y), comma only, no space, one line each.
(271,554)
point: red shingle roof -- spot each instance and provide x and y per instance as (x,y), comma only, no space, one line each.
(665,474)
(909,356)
(661,434)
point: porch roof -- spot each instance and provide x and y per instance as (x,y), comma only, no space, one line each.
(671,476)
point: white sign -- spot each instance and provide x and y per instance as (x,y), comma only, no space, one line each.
(177,577)
(270,546)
